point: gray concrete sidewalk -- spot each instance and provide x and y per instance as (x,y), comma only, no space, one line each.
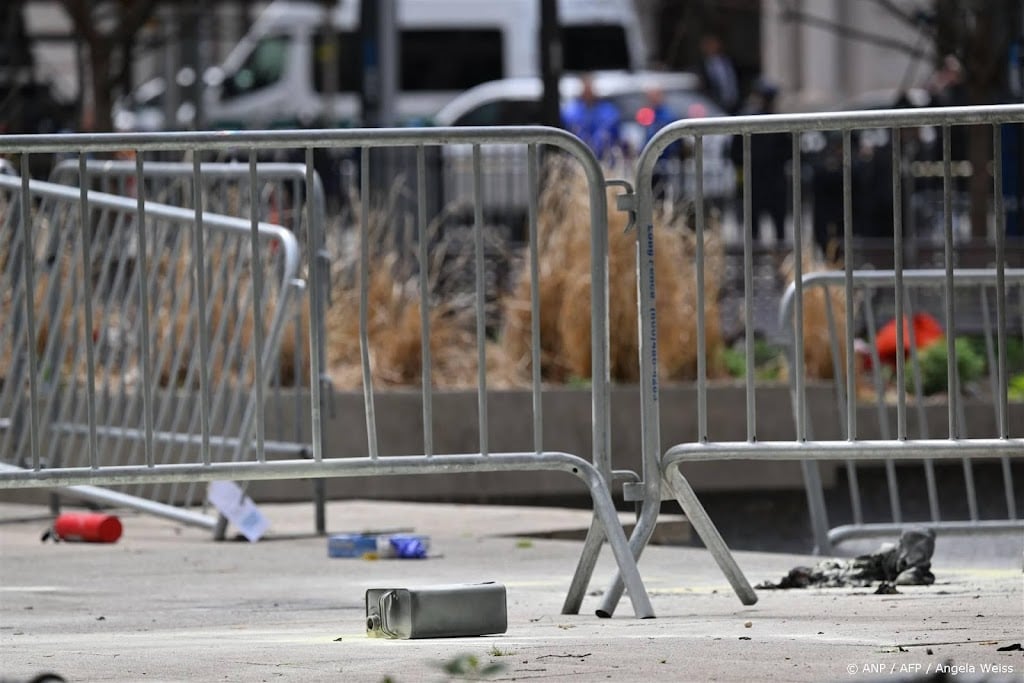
(166,603)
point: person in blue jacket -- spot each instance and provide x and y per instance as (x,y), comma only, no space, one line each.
(594,120)
(653,117)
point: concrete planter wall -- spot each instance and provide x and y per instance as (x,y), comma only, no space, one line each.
(567,427)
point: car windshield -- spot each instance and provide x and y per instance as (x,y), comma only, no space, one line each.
(264,66)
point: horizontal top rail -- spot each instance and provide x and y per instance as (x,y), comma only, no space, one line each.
(230,169)
(289,244)
(825,121)
(887,278)
(266,139)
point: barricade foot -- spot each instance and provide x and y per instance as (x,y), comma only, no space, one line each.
(584,568)
(604,509)
(637,542)
(708,532)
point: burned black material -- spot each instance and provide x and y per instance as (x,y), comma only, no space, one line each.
(907,563)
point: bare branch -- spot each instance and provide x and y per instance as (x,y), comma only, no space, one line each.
(792,14)
(909,17)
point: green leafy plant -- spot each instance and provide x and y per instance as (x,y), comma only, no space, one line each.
(1016,388)
(934,363)
(470,667)
(1014,351)
(768,360)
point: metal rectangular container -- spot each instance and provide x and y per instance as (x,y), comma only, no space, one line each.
(446,611)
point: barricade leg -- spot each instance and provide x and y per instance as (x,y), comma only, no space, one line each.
(708,533)
(584,568)
(628,574)
(705,528)
(637,542)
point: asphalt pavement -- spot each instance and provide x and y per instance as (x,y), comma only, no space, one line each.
(167,603)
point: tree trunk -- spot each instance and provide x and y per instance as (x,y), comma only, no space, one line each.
(979,145)
(102,102)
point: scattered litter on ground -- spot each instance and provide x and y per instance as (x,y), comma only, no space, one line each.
(373,546)
(568,655)
(748,624)
(745,638)
(443,611)
(88,527)
(1015,647)
(907,563)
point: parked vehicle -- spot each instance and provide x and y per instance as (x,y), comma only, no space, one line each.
(517,101)
(276,76)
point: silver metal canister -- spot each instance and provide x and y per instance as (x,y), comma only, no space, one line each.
(447,611)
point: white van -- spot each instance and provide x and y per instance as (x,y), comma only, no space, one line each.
(275,77)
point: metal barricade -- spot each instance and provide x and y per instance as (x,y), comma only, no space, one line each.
(662,474)
(357,273)
(280,198)
(973,293)
(102,301)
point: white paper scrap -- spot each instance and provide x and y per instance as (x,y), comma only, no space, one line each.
(238,508)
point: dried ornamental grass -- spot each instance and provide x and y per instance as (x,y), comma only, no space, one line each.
(394,324)
(564,266)
(818,362)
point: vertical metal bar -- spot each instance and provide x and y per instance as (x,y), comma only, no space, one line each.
(364,296)
(810,469)
(1001,396)
(314,238)
(876,371)
(897,250)
(85,245)
(481,332)
(922,419)
(947,207)
(532,188)
(145,339)
(702,365)
(28,254)
(837,371)
(308,248)
(11,330)
(851,466)
(990,348)
(748,289)
(204,331)
(257,303)
(799,371)
(915,371)
(426,361)
(851,380)
(1001,321)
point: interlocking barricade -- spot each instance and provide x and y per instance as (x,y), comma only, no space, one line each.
(359,274)
(106,359)
(968,406)
(276,194)
(662,476)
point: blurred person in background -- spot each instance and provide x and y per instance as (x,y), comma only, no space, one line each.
(594,120)
(718,74)
(770,155)
(654,116)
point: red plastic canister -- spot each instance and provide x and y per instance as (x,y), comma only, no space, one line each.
(91,527)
